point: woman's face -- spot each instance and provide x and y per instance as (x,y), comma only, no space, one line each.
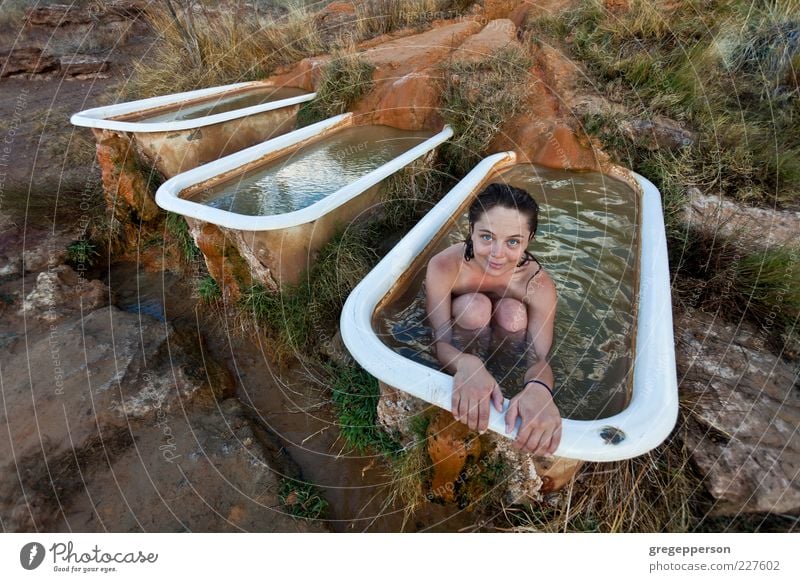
(499,240)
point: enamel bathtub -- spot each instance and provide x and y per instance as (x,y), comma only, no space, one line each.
(279,202)
(643,406)
(181,131)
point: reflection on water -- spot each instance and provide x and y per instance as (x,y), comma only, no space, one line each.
(311,172)
(587,242)
(225,103)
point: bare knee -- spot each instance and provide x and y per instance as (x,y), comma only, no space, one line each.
(472,311)
(511,315)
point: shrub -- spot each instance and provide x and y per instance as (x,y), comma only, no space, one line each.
(478,97)
(82,252)
(345,79)
(302,500)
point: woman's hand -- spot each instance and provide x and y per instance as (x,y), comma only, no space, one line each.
(540,430)
(473,389)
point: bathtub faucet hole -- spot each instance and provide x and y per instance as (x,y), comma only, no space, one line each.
(612,435)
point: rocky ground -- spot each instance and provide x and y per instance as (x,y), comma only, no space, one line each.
(113,420)
(126,413)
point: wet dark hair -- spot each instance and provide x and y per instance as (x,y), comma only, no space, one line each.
(504,196)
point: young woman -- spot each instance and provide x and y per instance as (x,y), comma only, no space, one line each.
(492,281)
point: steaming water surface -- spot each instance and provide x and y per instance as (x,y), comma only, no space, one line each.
(587,241)
(311,172)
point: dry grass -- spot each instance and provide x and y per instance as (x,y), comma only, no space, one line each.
(410,193)
(378,17)
(726,68)
(344,80)
(207,47)
(219,47)
(408,474)
(478,97)
(651,493)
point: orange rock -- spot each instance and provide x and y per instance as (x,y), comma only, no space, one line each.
(449,445)
(616,5)
(410,102)
(556,472)
(561,149)
(498,8)
(223,261)
(403,55)
(494,36)
(305,74)
(124,185)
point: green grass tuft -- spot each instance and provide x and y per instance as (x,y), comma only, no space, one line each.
(725,68)
(302,500)
(179,230)
(208,289)
(345,79)
(767,282)
(82,252)
(355,394)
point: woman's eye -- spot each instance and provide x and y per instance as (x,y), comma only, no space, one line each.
(513,242)
(486,237)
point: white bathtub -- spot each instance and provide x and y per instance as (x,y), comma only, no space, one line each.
(653,407)
(275,245)
(177,145)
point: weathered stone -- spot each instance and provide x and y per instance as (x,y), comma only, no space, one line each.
(335,20)
(75,15)
(202,472)
(546,131)
(755,226)
(498,8)
(657,133)
(528,476)
(42,257)
(27,61)
(223,259)
(397,410)
(495,36)
(744,409)
(61,292)
(93,381)
(335,350)
(418,51)
(58,15)
(523,484)
(410,102)
(33,250)
(405,92)
(83,66)
(125,187)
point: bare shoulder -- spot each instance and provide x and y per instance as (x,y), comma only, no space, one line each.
(541,289)
(446,261)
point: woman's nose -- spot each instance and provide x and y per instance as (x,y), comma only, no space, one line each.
(495,249)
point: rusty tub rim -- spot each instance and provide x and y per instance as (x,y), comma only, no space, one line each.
(168,195)
(652,411)
(106,117)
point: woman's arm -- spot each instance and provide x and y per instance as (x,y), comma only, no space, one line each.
(540,428)
(473,386)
